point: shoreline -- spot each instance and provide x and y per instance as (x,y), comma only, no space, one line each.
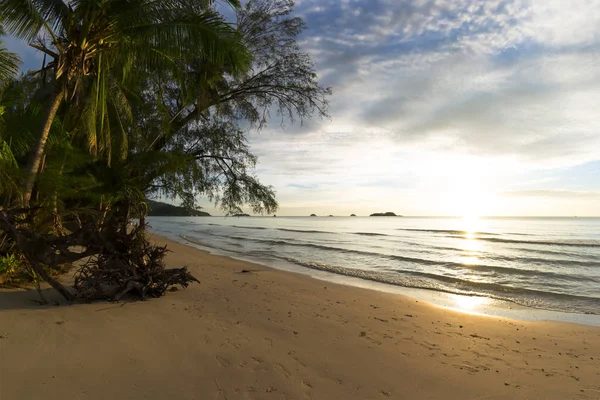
(269,334)
(470,304)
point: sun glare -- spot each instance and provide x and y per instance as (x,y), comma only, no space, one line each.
(474,204)
(470,245)
(469,303)
(470,224)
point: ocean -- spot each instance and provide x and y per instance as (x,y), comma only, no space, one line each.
(544,263)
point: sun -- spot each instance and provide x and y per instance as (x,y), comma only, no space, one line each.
(470,224)
(471,204)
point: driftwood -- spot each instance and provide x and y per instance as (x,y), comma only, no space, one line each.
(135,266)
(119,262)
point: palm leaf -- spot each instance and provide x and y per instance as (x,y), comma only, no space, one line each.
(26,18)
(158,35)
(9,63)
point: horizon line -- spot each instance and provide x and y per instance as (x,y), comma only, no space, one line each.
(418,216)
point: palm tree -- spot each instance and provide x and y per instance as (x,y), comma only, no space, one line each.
(96,46)
(9,62)
(9,67)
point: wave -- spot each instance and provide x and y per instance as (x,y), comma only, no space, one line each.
(543,242)
(448,282)
(277,242)
(557,252)
(547,275)
(547,261)
(456,266)
(235,226)
(448,231)
(451,233)
(522,296)
(304,231)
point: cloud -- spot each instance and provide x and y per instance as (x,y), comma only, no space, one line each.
(493,77)
(307,186)
(439,98)
(569,194)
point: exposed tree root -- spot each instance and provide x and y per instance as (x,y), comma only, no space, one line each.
(120,262)
(135,266)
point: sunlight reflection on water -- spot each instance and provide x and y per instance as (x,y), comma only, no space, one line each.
(470,245)
(471,304)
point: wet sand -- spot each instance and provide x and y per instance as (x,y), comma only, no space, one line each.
(269,334)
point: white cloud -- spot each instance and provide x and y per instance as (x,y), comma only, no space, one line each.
(555,193)
(480,94)
(560,23)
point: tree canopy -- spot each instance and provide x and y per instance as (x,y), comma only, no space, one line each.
(138,99)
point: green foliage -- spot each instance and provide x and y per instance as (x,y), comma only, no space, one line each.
(12,270)
(8,264)
(159,209)
(9,62)
(192,127)
(137,98)
(158,98)
(93,47)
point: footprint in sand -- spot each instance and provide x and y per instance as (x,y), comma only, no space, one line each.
(281,369)
(222,362)
(220,392)
(221,395)
(471,369)
(258,365)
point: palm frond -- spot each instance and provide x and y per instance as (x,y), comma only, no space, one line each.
(26,18)
(161,35)
(9,63)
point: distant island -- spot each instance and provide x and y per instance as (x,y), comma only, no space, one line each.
(313,215)
(386,214)
(159,209)
(241,215)
(353,215)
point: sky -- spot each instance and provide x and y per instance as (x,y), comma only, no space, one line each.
(456,107)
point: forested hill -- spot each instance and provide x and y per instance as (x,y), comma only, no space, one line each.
(158,209)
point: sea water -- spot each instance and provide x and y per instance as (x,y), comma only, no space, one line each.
(545,263)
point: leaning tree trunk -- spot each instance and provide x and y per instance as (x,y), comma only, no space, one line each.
(57,225)
(35,159)
(56,285)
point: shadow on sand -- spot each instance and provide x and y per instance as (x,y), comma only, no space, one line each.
(29,299)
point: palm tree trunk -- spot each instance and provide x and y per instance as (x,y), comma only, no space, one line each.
(57,225)
(36,157)
(59,230)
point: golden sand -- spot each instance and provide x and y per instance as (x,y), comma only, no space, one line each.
(269,334)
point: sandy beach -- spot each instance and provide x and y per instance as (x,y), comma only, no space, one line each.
(269,334)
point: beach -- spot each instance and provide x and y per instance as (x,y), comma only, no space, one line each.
(251,332)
